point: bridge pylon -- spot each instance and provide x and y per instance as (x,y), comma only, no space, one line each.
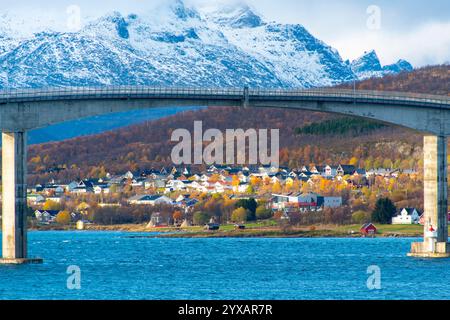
(14,199)
(435,243)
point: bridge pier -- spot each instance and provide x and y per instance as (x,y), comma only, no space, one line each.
(435,243)
(14,199)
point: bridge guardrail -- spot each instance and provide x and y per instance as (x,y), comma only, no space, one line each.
(112,92)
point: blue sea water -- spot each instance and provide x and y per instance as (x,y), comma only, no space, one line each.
(99,124)
(116,265)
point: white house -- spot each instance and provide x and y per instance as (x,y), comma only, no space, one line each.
(200,187)
(177,185)
(382,172)
(46,216)
(330,171)
(54,199)
(138,182)
(204,178)
(182,197)
(275,179)
(292,174)
(35,198)
(407,216)
(84,186)
(195,177)
(99,189)
(241,188)
(128,175)
(196,186)
(151,200)
(220,187)
(155,183)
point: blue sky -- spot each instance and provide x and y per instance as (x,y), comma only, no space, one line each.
(416,30)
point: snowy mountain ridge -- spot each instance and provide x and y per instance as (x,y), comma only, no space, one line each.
(369,66)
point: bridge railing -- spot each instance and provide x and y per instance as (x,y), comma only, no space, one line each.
(113,92)
(136,92)
(345,93)
(348,95)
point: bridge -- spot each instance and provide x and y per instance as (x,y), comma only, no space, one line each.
(23,110)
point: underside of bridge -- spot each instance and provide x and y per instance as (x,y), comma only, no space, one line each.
(422,113)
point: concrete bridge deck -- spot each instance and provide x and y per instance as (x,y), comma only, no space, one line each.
(25,109)
(232,94)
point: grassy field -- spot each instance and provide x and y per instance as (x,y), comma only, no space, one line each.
(386,229)
(261,229)
(273,230)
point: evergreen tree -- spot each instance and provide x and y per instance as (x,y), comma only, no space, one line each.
(384,211)
(250,205)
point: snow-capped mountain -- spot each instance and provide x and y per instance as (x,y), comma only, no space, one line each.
(369,66)
(182,46)
(290,52)
(234,16)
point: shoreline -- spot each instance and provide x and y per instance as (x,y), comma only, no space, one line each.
(260,232)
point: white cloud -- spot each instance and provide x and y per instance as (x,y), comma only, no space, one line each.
(424,45)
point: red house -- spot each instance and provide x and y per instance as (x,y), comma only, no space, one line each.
(368,229)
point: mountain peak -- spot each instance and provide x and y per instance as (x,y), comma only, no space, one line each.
(236,16)
(368,62)
(120,23)
(182,12)
(113,23)
(369,65)
(400,66)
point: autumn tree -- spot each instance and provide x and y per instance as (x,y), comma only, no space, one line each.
(201,218)
(235,181)
(51,205)
(276,188)
(250,205)
(63,218)
(177,216)
(262,213)
(360,217)
(239,215)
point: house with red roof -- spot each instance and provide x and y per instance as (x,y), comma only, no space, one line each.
(368,229)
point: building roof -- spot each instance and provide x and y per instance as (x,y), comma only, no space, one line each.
(410,211)
(145,197)
(50,212)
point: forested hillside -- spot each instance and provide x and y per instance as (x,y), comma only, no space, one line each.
(432,80)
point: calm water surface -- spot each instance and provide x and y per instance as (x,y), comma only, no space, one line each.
(117,265)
